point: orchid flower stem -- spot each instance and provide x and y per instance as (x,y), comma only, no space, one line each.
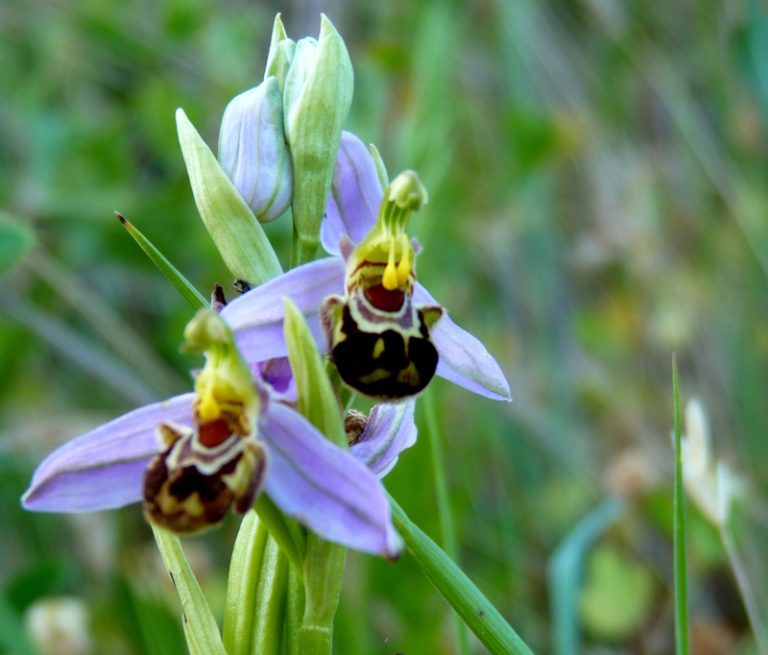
(271,594)
(466,599)
(244,573)
(323,577)
(294,612)
(445,515)
(286,533)
(304,249)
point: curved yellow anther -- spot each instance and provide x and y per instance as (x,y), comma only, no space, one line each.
(389,279)
(404,267)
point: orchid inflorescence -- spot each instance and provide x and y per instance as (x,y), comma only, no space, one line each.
(241,433)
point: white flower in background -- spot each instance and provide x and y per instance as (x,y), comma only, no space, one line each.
(708,481)
(59,626)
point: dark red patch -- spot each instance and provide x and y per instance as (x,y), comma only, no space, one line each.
(214,433)
(385,300)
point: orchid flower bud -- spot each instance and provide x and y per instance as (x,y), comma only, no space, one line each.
(252,150)
(317,97)
(281,51)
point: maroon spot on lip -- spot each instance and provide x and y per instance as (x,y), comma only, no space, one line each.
(383,299)
(214,433)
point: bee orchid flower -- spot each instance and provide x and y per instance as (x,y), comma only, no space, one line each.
(192,457)
(364,299)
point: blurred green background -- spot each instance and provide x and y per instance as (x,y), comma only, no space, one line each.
(598,200)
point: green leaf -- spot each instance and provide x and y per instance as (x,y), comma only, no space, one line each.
(460,592)
(174,276)
(617,596)
(200,629)
(16,240)
(681,582)
(316,399)
(244,571)
(237,233)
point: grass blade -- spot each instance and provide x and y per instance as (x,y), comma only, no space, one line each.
(681,583)
(444,512)
(469,602)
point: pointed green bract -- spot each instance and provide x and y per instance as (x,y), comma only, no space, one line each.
(238,236)
(281,50)
(200,629)
(174,276)
(317,97)
(316,399)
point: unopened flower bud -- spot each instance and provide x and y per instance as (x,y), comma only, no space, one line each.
(281,51)
(317,97)
(252,150)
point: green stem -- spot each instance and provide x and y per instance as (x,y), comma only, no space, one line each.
(323,577)
(469,602)
(444,513)
(303,249)
(681,586)
(244,573)
(294,613)
(271,594)
(285,532)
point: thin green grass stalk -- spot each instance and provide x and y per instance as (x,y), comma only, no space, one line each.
(103,319)
(444,512)
(469,602)
(174,276)
(745,588)
(71,345)
(681,582)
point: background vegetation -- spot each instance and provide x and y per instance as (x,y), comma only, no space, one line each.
(597,175)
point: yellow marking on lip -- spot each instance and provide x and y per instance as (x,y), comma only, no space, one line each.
(378,348)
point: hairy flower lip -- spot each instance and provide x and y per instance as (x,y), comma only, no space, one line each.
(256,318)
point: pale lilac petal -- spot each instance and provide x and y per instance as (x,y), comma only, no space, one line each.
(356,193)
(389,431)
(257,316)
(464,360)
(306,285)
(324,487)
(104,468)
